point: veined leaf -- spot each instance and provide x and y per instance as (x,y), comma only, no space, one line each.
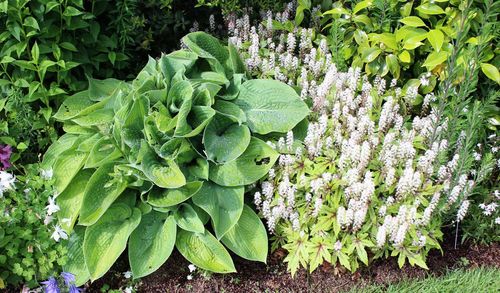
(66,167)
(70,200)
(223,204)
(248,238)
(206,46)
(221,132)
(76,261)
(164,173)
(151,243)
(413,21)
(436,38)
(490,71)
(101,191)
(171,197)
(270,106)
(106,240)
(203,250)
(187,219)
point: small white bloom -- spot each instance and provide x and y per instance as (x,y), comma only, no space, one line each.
(127,274)
(128,290)
(497,220)
(189,277)
(192,268)
(6,182)
(52,207)
(337,246)
(47,174)
(59,234)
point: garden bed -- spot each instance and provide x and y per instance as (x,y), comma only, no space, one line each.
(257,277)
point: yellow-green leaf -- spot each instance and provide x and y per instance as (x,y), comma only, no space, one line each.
(434,59)
(436,38)
(405,57)
(491,72)
(413,21)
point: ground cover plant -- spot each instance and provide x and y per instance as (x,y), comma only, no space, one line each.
(143,160)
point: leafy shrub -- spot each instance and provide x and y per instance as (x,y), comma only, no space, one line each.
(152,161)
(234,5)
(409,36)
(27,252)
(48,49)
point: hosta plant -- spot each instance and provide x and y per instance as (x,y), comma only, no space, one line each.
(150,162)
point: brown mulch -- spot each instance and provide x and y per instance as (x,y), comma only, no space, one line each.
(257,277)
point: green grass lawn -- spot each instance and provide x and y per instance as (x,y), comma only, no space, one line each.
(460,281)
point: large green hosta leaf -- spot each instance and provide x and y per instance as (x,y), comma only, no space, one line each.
(100,192)
(206,46)
(66,167)
(187,219)
(171,197)
(64,143)
(203,250)
(102,152)
(106,240)
(252,165)
(76,261)
(270,106)
(163,173)
(223,204)
(248,238)
(151,243)
(70,200)
(225,140)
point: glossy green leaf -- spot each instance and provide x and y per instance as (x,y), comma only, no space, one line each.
(151,243)
(223,204)
(434,59)
(248,238)
(270,106)
(413,21)
(430,9)
(436,38)
(204,251)
(76,261)
(491,72)
(368,55)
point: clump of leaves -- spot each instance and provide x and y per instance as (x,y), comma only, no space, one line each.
(27,252)
(152,161)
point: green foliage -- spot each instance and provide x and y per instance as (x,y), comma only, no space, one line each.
(151,156)
(27,253)
(396,37)
(48,49)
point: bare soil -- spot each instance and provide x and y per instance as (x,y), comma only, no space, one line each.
(273,277)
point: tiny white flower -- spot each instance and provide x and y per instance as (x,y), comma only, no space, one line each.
(337,246)
(47,174)
(48,219)
(59,234)
(6,182)
(189,277)
(497,220)
(127,274)
(128,290)
(192,268)
(52,207)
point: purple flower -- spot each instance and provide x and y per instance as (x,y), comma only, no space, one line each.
(74,289)
(5,152)
(51,286)
(69,278)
